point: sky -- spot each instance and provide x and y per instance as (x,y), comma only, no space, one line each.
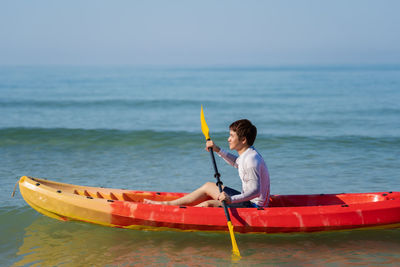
(186,32)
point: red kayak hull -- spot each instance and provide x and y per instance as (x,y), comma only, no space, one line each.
(342,214)
(285,214)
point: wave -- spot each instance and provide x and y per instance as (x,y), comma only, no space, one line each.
(294,68)
(343,140)
(87,137)
(115,137)
(130,103)
(184,104)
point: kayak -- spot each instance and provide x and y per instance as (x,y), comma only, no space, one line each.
(285,213)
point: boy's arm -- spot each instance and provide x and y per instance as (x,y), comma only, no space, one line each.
(228,157)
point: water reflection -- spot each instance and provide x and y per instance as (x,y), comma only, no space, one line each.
(49,242)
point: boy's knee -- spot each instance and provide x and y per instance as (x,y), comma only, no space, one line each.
(208,184)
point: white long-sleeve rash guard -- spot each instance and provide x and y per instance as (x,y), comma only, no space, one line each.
(254,175)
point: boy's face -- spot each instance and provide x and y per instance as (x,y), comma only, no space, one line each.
(234,142)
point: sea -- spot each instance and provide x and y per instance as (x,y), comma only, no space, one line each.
(321,129)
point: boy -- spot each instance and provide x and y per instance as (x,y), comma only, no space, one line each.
(252,171)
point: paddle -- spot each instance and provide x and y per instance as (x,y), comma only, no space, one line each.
(205,130)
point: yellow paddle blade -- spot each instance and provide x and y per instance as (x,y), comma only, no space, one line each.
(204,126)
(235,249)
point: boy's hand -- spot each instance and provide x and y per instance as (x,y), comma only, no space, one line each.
(210,144)
(224,197)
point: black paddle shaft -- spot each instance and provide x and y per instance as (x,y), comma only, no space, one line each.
(219,183)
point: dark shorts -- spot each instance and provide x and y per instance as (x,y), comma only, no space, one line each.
(245,204)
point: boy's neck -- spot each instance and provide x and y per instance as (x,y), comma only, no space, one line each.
(241,150)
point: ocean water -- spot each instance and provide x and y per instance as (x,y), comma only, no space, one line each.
(321,129)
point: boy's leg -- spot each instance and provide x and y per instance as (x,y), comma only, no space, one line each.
(216,203)
(209,191)
(209,203)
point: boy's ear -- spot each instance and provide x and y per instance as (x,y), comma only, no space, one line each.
(244,141)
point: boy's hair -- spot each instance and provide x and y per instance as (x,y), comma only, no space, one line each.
(244,128)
